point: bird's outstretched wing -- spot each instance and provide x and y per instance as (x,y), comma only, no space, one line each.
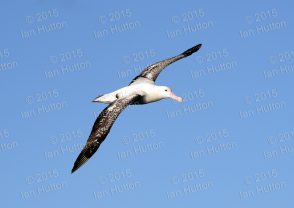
(102,127)
(151,72)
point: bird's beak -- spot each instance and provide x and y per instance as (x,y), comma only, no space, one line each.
(175,97)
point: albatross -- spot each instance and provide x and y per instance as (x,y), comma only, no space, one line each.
(141,90)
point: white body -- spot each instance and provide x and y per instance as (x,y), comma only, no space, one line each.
(144,87)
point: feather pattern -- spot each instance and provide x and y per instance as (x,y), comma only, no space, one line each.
(152,72)
(102,127)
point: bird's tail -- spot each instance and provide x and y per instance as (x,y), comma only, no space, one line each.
(98,98)
(105,98)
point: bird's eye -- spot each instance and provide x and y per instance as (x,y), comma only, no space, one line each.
(165,90)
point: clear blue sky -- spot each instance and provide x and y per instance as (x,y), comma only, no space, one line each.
(230,144)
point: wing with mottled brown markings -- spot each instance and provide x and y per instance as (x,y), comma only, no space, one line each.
(151,72)
(102,127)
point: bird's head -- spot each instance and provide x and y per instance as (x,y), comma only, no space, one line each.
(166,92)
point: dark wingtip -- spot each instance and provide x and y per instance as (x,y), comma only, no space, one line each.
(192,50)
(81,160)
(74,169)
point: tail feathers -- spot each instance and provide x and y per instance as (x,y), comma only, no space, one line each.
(192,50)
(106,98)
(97,98)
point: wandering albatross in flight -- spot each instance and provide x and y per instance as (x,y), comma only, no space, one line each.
(141,90)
